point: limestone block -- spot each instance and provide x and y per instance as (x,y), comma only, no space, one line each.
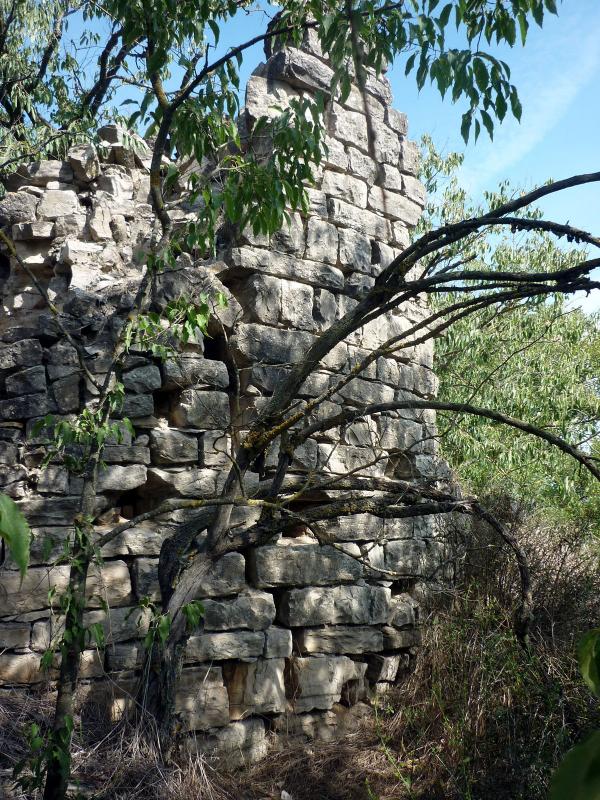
(260,297)
(225,646)
(216,445)
(322,240)
(26,353)
(290,237)
(183,482)
(300,70)
(53,480)
(228,577)
(40,173)
(235,745)
(325,308)
(267,98)
(49,510)
(14,634)
(386,145)
(352,190)
(116,181)
(340,639)
(57,203)
(362,165)
(33,254)
(396,434)
(383,668)
(402,556)
(8,453)
(192,370)
(350,127)
(354,605)
(365,222)
(355,250)
(254,343)
(76,252)
(364,102)
(169,446)
(356,528)
(390,177)
(201,700)
(394,205)
(317,682)
(32,231)
(335,156)
(84,162)
(126,454)
(394,639)
(99,223)
(278,642)
(142,379)
(116,478)
(396,120)
(118,624)
(256,687)
(142,540)
(403,611)
(20,668)
(17,207)
(24,407)
(297,305)
(201,410)
(32,594)
(409,157)
(414,189)
(27,381)
(251,610)
(294,562)
(280,265)
(61,360)
(65,393)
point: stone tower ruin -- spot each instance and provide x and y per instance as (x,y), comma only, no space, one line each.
(297,635)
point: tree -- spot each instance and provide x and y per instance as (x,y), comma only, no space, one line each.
(186,102)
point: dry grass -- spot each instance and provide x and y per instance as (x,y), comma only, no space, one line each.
(477,719)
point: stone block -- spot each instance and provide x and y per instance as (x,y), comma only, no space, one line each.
(236,745)
(297,305)
(290,237)
(390,177)
(278,642)
(414,189)
(126,454)
(352,605)
(136,406)
(118,624)
(201,410)
(191,370)
(244,259)
(294,563)
(24,407)
(32,231)
(256,687)
(20,668)
(300,70)
(335,156)
(350,127)
(17,207)
(352,190)
(394,639)
(260,297)
(386,145)
(227,577)
(40,173)
(201,699)
(142,379)
(258,343)
(383,668)
(26,353)
(317,682)
(394,205)
(409,158)
(169,446)
(57,203)
(115,478)
(142,540)
(362,165)
(225,646)
(403,611)
(28,381)
(8,453)
(340,639)
(365,222)
(65,393)
(14,635)
(251,610)
(322,240)
(31,594)
(184,482)
(84,162)
(403,556)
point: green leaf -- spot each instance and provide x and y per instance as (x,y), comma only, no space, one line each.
(465,127)
(588,653)
(16,532)
(578,776)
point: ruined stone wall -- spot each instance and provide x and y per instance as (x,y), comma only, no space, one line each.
(295,634)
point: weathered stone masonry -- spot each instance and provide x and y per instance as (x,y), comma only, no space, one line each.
(296,634)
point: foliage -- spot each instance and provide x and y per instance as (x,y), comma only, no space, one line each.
(537,360)
(15,532)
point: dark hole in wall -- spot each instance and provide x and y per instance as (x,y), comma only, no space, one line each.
(4,267)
